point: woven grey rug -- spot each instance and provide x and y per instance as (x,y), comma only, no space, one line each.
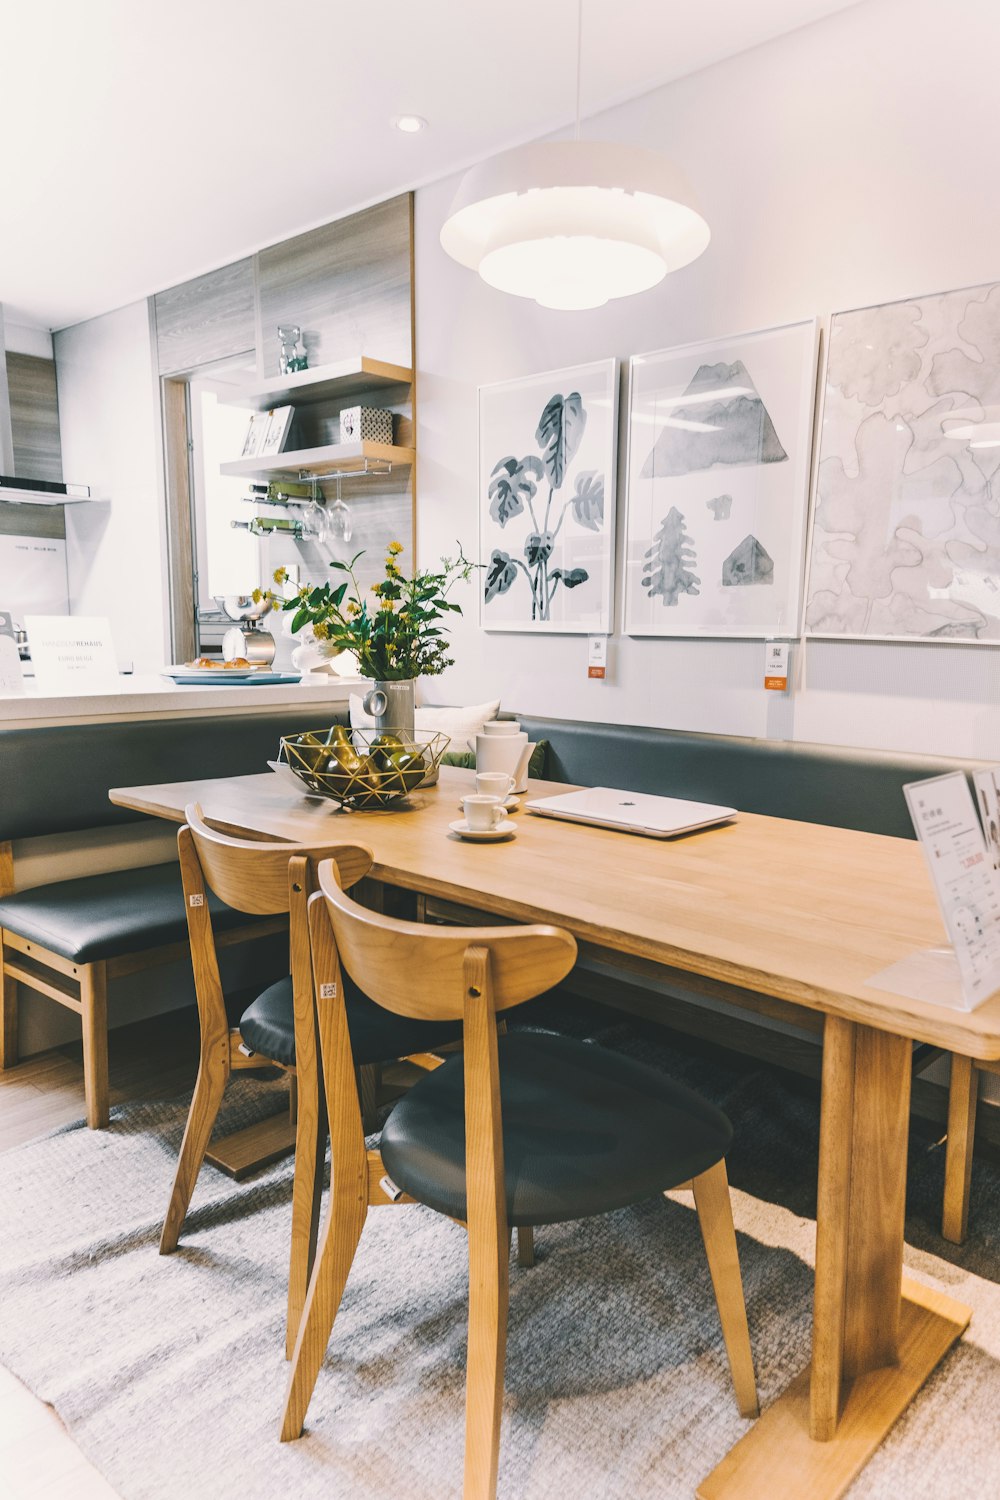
(169,1372)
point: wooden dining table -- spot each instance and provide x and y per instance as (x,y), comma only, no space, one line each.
(778,917)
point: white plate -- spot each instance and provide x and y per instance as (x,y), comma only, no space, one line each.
(484,835)
(510,804)
(189,676)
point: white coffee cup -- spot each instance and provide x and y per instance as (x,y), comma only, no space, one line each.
(494,784)
(483,813)
(500,727)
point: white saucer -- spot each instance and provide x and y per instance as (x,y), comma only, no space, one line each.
(510,803)
(484,835)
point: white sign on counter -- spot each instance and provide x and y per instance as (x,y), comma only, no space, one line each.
(966,883)
(72,654)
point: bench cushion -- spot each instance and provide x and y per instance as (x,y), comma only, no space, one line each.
(377,1035)
(829,784)
(105,916)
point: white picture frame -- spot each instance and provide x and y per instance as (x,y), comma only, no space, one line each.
(256,433)
(279,420)
(547,493)
(718,497)
(902,543)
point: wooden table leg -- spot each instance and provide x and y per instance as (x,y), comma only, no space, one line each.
(876,1336)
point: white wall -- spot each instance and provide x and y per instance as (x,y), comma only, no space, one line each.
(109,426)
(22,339)
(849,163)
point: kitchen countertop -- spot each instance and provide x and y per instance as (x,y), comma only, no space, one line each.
(151,696)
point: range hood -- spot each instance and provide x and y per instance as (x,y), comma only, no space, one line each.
(18,489)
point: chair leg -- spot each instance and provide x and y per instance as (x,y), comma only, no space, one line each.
(715,1216)
(8,1017)
(344,1222)
(208,1091)
(369,1083)
(94,998)
(488,1299)
(525,1245)
(962,1099)
(307,1199)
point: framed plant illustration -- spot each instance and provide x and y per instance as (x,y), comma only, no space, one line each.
(547,448)
(720,444)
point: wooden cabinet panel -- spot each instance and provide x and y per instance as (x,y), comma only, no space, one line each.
(346,285)
(206,319)
(34,417)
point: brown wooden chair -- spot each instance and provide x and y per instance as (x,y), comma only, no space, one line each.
(279,1027)
(522,1130)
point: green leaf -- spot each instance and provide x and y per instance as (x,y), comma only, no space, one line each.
(558,434)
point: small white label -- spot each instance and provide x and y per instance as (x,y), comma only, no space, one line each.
(328,992)
(196,901)
(597,656)
(776,655)
(389,1188)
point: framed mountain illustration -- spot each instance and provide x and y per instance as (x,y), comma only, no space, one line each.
(906,526)
(547,447)
(719,454)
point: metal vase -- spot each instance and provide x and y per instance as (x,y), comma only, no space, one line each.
(391,705)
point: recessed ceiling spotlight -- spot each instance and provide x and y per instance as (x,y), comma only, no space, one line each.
(410,124)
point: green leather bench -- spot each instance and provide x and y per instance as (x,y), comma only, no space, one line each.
(67,940)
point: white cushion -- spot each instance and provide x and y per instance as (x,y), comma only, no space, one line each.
(460,724)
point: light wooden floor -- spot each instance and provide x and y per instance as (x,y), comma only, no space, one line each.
(155,1059)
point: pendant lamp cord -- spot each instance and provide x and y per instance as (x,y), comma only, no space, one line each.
(579,61)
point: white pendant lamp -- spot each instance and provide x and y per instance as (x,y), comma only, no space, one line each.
(573,224)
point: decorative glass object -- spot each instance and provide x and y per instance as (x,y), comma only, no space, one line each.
(293,355)
(338,519)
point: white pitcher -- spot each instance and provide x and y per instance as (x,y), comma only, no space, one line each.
(504,752)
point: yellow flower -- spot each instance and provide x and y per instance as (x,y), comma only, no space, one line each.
(395,548)
(391,570)
(257,595)
(387,605)
(280,575)
(321,630)
(353,608)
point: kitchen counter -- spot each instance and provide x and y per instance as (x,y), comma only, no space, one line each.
(155,697)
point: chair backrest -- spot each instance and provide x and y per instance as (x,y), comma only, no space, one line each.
(252,876)
(419,970)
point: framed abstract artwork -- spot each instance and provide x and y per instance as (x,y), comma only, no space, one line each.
(547,450)
(719,453)
(905,538)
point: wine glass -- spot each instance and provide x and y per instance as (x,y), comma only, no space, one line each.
(338,519)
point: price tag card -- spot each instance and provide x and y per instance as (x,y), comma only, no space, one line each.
(965,882)
(776,654)
(11,673)
(597,657)
(988,793)
(72,654)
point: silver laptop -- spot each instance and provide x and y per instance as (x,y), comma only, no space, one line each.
(632,812)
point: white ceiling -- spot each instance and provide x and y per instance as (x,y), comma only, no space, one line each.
(144,144)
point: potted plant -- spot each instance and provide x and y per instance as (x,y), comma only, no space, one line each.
(397,632)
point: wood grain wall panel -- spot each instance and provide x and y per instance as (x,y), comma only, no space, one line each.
(32,520)
(207,319)
(346,285)
(34,417)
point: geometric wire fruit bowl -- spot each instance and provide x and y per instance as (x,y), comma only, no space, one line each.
(363,768)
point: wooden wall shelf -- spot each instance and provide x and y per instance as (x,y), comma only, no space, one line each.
(344,458)
(336,382)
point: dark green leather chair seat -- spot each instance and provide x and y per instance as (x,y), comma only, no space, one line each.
(268,1027)
(585,1131)
(105,916)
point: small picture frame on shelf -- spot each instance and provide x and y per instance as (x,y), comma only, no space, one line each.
(256,432)
(276,431)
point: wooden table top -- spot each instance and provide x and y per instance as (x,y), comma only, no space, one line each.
(798,911)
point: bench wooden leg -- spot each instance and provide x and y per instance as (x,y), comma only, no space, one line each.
(962,1097)
(94,999)
(8,1017)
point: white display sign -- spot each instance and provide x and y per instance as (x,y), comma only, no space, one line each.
(966,883)
(72,654)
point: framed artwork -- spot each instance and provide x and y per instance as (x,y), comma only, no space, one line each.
(279,419)
(719,452)
(906,527)
(256,433)
(547,447)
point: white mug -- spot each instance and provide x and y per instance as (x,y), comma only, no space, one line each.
(483,813)
(500,727)
(494,784)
